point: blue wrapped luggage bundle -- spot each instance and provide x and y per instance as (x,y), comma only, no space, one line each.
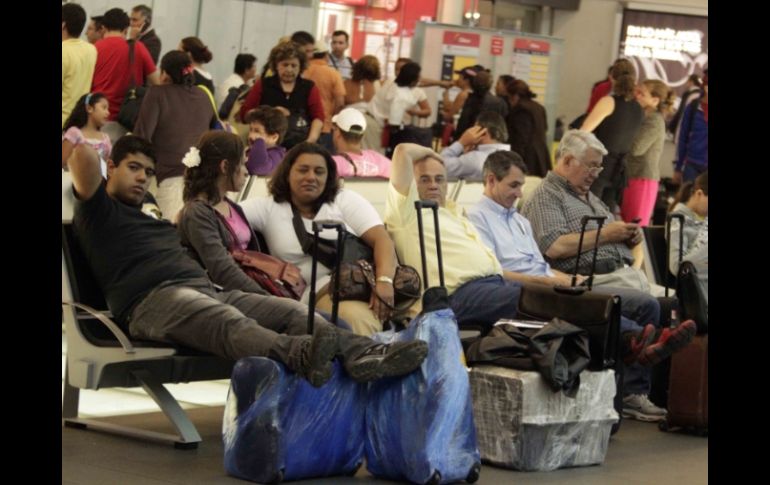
(278,427)
(420,427)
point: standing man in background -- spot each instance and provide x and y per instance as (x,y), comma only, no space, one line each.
(244,72)
(95,30)
(78,58)
(142,30)
(337,58)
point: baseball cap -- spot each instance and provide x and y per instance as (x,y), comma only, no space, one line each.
(350,120)
(470,71)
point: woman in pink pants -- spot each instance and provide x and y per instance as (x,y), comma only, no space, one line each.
(643,162)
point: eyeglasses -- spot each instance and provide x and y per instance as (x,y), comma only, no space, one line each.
(592,169)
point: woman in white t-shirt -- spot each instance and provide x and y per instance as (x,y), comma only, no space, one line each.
(395,105)
(306,182)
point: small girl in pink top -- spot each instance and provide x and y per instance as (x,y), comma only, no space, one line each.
(84,126)
(349,127)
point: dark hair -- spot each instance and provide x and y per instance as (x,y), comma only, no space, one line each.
(695,79)
(341,32)
(214,146)
(500,163)
(115,19)
(506,78)
(409,75)
(302,38)
(79,115)
(623,75)
(243,63)
(688,188)
(178,66)
(279,183)
(271,118)
(145,11)
(284,51)
(366,68)
(481,83)
(98,21)
(74,17)
(349,136)
(495,125)
(128,144)
(196,48)
(519,88)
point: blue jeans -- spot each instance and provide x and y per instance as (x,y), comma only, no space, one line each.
(637,310)
(485,301)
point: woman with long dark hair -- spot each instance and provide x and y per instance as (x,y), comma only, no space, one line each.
(303,189)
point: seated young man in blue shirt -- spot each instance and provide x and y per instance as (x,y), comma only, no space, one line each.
(509,235)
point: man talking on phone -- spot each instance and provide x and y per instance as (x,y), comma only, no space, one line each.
(141,29)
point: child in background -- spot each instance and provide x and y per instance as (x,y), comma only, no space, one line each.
(267,126)
(84,126)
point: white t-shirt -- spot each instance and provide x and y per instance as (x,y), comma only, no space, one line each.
(392,101)
(232,81)
(274,221)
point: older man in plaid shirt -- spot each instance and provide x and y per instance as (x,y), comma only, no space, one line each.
(555,211)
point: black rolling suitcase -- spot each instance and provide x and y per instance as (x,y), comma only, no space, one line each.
(598,313)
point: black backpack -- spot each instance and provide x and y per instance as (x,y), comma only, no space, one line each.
(232,95)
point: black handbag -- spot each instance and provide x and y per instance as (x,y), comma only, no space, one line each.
(356,268)
(132,101)
(298,129)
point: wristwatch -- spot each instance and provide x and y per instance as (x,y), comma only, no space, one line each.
(384,279)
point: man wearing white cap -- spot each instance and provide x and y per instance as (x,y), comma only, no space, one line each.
(348,127)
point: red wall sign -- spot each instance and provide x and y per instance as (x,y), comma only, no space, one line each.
(533,46)
(496,47)
(462,38)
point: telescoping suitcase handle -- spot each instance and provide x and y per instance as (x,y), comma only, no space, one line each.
(319,226)
(667,270)
(435,298)
(419,205)
(577,290)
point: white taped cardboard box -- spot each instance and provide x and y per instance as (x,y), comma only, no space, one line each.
(522,424)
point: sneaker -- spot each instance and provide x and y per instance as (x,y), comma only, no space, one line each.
(670,340)
(387,360)
(318,359)
(638,406)
(637,342)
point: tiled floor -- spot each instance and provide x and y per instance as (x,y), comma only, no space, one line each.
(133,400)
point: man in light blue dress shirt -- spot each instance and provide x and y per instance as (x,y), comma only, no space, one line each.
(509,234)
